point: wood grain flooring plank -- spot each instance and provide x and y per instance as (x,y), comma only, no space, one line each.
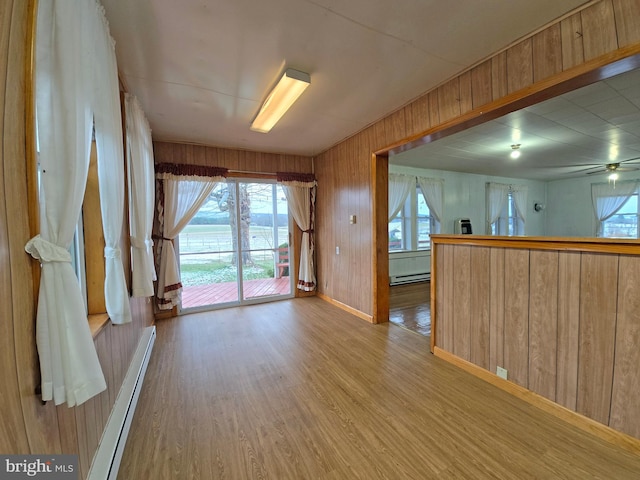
(300,389)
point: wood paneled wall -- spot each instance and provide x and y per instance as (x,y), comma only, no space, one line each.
(27,426)
(579,42)
(564,323)
(236,160)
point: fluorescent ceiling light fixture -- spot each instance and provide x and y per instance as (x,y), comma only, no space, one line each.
(280,99)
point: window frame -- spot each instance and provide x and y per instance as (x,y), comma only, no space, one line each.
(509,223)
(603,224)
(409,223)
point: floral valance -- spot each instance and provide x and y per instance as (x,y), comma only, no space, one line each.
(190,172)
(296,179)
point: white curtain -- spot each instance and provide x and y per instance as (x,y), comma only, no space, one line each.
(399,188)
(69,62)
(609,198)
(519,193)
(497,194)
(301,197)
(109,145)
(183,197)
(141,197)
(433,192)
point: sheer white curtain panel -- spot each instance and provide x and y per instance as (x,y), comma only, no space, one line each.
(399,187)
(66,59)
(433,192)
(497,194)
(141,197)
(519,193)
(183,197)
(609,198)
(108,128)
(301,198)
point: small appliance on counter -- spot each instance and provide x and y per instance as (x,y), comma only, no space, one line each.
(462,226)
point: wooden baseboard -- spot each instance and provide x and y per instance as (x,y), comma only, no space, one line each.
(598,429)
(346,308)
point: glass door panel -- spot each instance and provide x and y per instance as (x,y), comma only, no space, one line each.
(264,233)
(207,254)
(235,250)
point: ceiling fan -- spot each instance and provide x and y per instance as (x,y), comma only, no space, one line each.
(614,167)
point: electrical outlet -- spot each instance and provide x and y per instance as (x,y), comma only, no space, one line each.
(501,372)
(337,250)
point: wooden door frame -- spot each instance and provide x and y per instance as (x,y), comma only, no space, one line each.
(380,263)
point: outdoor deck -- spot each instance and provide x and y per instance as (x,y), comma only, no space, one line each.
(218,293)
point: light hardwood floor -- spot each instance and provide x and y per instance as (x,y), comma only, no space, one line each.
(300,389)
(410,307)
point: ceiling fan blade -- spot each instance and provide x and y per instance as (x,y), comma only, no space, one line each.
(619,169)
(594,165)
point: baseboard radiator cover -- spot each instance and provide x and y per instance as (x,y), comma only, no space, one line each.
(106,461)
(409,278)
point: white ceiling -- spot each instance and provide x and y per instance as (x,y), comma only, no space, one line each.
(571,135)
(201,68)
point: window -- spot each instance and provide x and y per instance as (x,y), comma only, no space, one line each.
(411,229)
(623,223)
(509,222)
(76,250)
(87,247)
(616,209)
(506,209)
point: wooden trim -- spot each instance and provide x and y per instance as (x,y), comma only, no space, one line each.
(597,245)
(33,210)
(97,322)
(434,304)
(380,241)
(597,429)
(125,237)
(346,308)
(94,242)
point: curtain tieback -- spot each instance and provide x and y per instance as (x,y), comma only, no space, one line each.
(158,237)
(141,244)
(308,231)
(110,252)
(46,251)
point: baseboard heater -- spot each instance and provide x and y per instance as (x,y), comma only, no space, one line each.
(106,461)
(409,278)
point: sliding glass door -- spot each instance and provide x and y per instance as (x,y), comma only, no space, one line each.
(236,249)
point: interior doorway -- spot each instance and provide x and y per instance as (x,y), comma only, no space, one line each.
(235,250)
